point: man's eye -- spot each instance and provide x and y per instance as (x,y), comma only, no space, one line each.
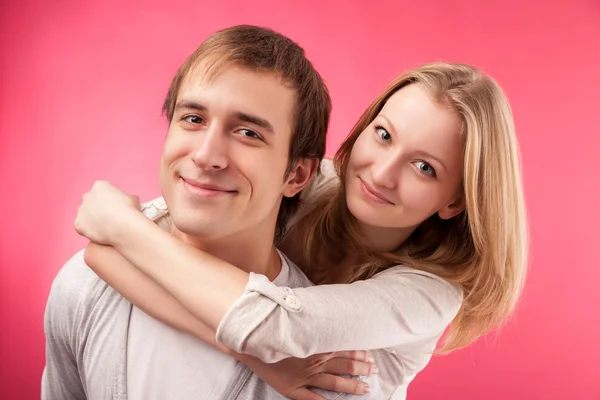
(249,133)
(193,119)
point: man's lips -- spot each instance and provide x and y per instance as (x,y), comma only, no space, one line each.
(206,189)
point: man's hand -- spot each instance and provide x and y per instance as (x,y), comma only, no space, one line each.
(103,210)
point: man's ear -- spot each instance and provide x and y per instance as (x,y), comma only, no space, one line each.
(454,208)
(300,175)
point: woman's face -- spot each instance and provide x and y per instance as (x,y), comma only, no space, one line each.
(407,165)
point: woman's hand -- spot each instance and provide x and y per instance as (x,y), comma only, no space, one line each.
(103,210)
(293,377)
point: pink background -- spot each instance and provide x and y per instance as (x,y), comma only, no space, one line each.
(81,89)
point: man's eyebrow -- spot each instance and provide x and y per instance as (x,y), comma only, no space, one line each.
(189,104)
(253,119)
(242,116)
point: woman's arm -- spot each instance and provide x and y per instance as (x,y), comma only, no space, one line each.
(398,306)
(205,285)
(291,377)
(109,216)
(110,204)
(145,293)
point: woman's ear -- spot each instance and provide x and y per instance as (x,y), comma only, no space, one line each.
(453,209)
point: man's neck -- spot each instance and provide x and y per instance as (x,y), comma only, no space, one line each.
(250,251)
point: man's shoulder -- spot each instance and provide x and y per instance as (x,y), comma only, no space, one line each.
(75,279)
(85,324)
(77,292)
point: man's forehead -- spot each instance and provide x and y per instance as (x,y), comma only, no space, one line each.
(241,98)
(202,76)
(204,72)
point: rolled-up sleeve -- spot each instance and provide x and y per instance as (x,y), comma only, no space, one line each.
(395,307)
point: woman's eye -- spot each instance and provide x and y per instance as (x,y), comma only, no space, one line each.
(383,134)
(425,168)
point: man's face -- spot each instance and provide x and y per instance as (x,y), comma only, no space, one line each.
(226,153)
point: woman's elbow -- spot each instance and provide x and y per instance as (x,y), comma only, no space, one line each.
(91,254)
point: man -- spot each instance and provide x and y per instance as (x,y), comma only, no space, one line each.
(247,121)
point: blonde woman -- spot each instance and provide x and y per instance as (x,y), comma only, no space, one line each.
(418,225)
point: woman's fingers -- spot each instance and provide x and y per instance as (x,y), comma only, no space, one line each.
(305,394)
(359,355)
(336,383)
(347,366)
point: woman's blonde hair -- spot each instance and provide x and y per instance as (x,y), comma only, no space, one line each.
(484,249)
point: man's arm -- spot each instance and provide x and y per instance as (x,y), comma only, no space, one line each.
(61,379)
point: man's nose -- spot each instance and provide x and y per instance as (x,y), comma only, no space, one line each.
(210,152)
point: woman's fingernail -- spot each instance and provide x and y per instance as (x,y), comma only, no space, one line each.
(370,358)
(366,389)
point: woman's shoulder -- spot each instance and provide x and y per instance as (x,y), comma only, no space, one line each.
(424,301)
(428,283)
(324,181)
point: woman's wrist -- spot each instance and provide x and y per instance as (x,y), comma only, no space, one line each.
(130,227)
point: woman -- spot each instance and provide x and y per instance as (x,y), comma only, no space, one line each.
(424,228)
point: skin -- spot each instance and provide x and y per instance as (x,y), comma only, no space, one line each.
(406,166)
(223,165)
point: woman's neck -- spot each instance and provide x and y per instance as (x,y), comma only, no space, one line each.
(383,240)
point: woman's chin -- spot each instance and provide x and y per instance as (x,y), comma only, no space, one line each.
(365,214)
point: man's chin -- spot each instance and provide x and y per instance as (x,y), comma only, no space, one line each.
(192,234)
(195,222)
